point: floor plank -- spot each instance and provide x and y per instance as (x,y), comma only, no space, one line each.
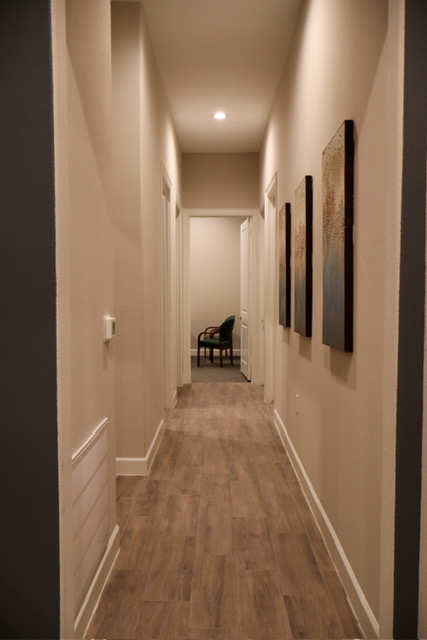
(252,544)
(218,542)
(213,596)
(120,598)
(260,605)
(313,617)
(298,570)
(163,621)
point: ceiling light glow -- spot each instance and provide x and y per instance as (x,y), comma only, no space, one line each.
(220,115)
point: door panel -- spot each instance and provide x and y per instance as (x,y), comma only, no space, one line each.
(245,337)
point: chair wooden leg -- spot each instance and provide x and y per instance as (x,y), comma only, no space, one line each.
(231,355)
(220,357)
(211,355)
(198,355)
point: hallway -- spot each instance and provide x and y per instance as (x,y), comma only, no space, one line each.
(217,542)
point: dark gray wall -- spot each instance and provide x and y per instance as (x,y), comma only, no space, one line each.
(411,326)
(29,537)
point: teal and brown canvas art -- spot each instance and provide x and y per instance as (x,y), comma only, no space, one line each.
(337,186)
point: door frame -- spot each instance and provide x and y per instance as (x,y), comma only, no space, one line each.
(186,297)
(246,270)
(270,284)
(179,283)
(168,221)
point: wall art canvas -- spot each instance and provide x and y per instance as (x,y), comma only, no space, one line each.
(303,223)
(285,265)
(337,200)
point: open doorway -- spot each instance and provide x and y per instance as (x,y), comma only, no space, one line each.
(215,292)
(211,261)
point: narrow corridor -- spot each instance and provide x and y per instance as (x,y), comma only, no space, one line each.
(218,541)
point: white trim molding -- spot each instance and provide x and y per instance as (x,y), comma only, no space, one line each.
(96,588)
(140,466)
(91,440)
(168,212)
(187,214)
(236,352)
(270,286)
(364,614)
(220,213)
(93,549)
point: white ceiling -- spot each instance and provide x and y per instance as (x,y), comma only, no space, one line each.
(221,55)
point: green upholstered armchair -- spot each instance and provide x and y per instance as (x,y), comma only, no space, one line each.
(217,338)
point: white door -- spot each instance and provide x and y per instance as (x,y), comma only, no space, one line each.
(245,298)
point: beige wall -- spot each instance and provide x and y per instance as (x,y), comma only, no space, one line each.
(220,180)
(128,257)
(214,274)
(113,134)
(144,141)
(344,65)
(82,72)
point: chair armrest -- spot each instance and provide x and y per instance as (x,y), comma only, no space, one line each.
(209,331)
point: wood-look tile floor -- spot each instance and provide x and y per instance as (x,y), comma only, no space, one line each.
(218,542)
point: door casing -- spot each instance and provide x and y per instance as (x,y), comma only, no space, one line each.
(186,301)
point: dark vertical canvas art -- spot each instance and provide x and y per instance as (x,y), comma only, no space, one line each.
(303,216)
(285,265)
(337,181)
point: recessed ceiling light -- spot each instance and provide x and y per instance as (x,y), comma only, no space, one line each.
(220,115)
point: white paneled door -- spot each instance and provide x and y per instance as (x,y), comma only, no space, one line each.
(245,298)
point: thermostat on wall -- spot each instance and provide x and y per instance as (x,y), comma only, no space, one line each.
(109,328)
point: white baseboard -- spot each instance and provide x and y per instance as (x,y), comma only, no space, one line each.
(131,467)
(88,607)
(357,599)
(140,466)
(236,352)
